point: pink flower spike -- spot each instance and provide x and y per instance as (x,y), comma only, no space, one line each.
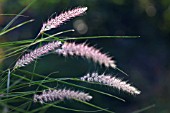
(60,95)
(29,57)
(86,51)
(111,81)
(60,19)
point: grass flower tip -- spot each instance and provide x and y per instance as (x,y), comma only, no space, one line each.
(86,51)
(60,95)
(62,18)
(108,80)
(29,57)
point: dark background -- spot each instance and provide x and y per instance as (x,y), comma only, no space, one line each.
(145,59)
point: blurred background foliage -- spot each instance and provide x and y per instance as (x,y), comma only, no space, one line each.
(145,59)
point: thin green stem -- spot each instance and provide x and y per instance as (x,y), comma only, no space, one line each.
(97,37)
(12,21)
(13,15)
(19,25)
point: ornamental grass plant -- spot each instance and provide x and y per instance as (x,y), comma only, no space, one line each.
(34,90)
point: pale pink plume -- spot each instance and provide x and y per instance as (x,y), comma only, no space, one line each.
(86,51)
(61,94)
(63,17)
(29,57)
(110,81)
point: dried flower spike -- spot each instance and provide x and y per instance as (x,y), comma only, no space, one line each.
(60,19)
(84,50)
(29,57)
(110,81)
(61,94)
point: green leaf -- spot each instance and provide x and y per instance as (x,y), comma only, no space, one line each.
(13,20)
(19,25)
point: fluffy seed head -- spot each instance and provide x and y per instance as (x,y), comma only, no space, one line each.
(60,19)
(61,94)
(110,81)
(29,57)
(86,51)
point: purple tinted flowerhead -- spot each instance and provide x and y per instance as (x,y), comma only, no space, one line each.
(110,81)
(62,18)
(88,52)
(31,56)
(60,95)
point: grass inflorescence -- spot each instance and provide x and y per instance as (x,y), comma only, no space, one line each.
(19,80)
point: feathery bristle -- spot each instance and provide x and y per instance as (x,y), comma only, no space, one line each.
(61,94)
(110,81)
(29,57)
(63,17)
(84,50)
